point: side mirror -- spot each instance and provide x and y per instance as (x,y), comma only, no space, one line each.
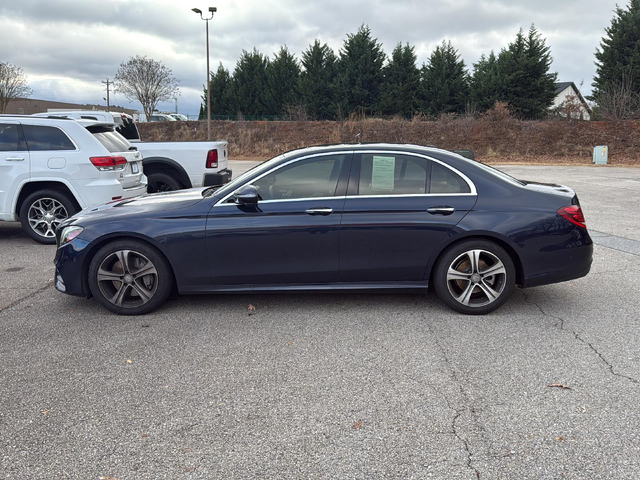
(246,195)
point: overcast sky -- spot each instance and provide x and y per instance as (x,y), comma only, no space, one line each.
(67,47)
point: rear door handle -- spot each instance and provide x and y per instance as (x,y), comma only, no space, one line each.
(441,210)
(319,211)
(14,159)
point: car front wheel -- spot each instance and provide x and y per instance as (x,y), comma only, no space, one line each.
(129,277)
(474,277)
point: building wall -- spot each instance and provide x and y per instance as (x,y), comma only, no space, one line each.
(29,106)
(562,97)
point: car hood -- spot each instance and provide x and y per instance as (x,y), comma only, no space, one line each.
(146,204)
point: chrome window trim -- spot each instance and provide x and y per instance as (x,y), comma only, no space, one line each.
(278,167)
(470,184)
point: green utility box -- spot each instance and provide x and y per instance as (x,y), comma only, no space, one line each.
(601,155)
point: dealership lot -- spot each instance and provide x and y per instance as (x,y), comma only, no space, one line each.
(332,385)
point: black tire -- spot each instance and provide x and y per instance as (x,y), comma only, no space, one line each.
(162,182)
(472,290)
(129,290)
(42,212)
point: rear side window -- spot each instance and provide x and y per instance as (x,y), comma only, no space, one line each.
(128,129)
(41,138)
(9,138)
(444,180)
(112,141)
(389,174)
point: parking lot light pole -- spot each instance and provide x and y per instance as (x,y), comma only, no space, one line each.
(212,10)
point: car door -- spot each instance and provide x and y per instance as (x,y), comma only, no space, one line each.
(14,164)
(291,236)
(399,206)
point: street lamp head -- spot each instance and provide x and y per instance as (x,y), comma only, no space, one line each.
(197,10)
(213,9)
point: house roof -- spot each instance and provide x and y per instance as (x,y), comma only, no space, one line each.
(562,86)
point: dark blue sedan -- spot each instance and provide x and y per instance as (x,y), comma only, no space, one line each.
(342,217)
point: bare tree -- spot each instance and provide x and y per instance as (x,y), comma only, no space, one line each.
(147,81)
(618,100)
(13,84)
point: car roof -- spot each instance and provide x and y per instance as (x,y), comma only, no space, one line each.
(425,149)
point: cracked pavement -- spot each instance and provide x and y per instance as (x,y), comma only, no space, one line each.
(331,385)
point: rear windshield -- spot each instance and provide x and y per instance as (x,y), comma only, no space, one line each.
(112,141)
(128,129)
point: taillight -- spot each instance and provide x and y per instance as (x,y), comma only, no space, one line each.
(574,214)
(212,159)
(108,163)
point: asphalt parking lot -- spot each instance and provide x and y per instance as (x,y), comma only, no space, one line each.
(332,385)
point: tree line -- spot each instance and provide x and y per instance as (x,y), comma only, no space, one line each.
(361,79)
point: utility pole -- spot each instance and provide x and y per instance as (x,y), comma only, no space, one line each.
(212,10)
(176,99)
(107,83)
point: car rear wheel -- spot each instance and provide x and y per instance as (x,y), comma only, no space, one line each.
(129,277)
(161,182)
(42,212)
(474,277)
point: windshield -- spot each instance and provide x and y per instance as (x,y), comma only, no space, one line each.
(497,173)
(112,141)
(233,184)
(127,128)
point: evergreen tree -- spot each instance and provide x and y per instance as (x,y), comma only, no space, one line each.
(249,84)
(444,81)
(360,73)
(282,82)
(618,58)
(401,82)
(317,81)
(528,87)
(221,93)
(486,83)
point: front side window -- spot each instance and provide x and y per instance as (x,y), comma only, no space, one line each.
(41,138)
(310,178)
(9,138)
(391,174)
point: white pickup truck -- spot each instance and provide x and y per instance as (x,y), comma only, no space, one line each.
(167,165)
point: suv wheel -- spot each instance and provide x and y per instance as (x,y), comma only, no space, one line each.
(474,277)
(129,277)
(42,212)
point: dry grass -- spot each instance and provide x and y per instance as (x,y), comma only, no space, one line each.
(496,136)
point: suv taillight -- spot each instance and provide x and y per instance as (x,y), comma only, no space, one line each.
(106,164)
(212,159)
(574,214)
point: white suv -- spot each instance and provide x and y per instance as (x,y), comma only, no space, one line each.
(51,168)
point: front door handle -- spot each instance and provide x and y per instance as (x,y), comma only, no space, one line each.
(441,210)
(14,159)
(319,211)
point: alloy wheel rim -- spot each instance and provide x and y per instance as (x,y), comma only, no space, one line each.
(476,278)
(45,214)
(127,279)
(159,186)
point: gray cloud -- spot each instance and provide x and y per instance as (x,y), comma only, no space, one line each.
(68,46)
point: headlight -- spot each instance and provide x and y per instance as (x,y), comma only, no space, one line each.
(69,233)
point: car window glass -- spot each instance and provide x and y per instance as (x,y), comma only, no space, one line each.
(112,141)
(389,174)
(444,180)
(128,129)
(8,138)
(41,138)
(314,177)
